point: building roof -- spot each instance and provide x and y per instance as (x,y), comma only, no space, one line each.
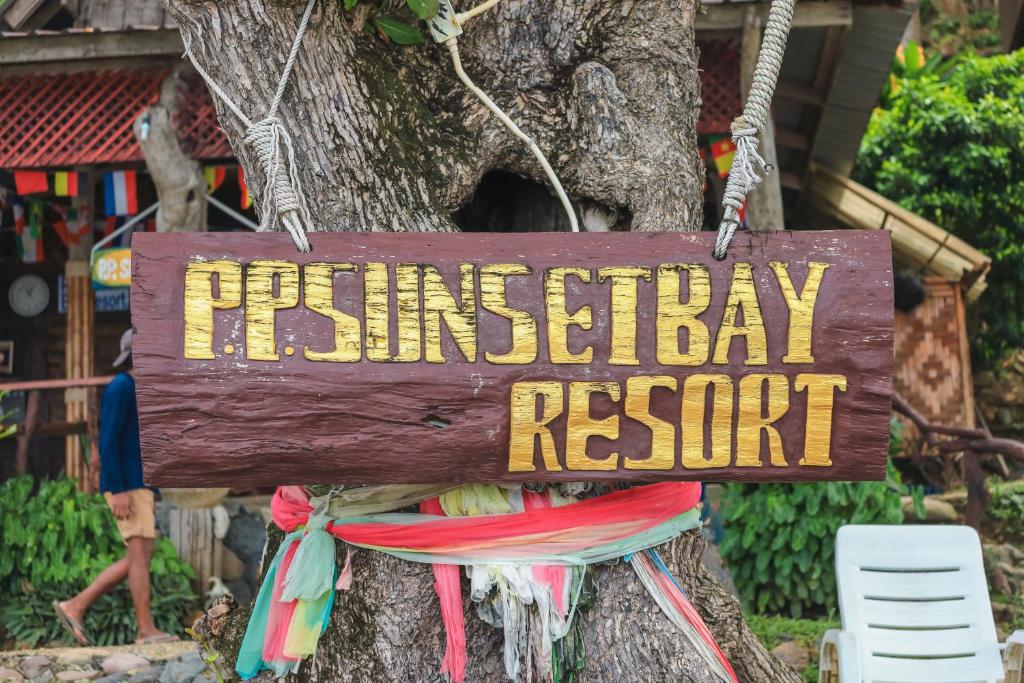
(86,117)
(916,242)
(103,15)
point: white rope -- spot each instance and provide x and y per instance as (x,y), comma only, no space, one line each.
(283,197)
(743,175)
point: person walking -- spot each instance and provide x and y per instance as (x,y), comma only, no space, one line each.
(130,501)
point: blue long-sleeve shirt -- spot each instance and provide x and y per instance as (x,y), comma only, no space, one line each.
(120,450)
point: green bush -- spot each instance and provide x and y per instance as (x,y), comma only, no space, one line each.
(949,145)
(53,543)
(779,539)
(1004,514)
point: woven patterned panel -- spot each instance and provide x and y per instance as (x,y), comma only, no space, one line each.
(930,368)
(196,121)
(719,65)
(86,118)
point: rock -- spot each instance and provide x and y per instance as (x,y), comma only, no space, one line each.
(34,666)
(123,661)
(78,657)
(246,537)
(205,678)
(45,677)
(231,566)
(10,676)
(183,670)
(935,511)
(792,654)
(150,675)
(78,675)
(113,678)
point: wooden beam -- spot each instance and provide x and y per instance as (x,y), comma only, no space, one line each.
(799,93)
(53,428)
(791,181)
(764,204)
(730,16)
(792,139)
(57,383)
(73,47)
(20,11)
(25,435)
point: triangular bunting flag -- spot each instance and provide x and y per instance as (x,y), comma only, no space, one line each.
(30,231)
(214,177)
(30,182)
(70,228)
(246,197)
(119,193)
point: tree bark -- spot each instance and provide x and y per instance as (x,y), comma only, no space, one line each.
(386,139)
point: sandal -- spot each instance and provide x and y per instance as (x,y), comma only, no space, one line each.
(70,625)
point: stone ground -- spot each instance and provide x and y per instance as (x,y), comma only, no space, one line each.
(179,662)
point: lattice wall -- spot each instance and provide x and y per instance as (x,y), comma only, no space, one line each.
(719,65)
(932,364)
(86,118)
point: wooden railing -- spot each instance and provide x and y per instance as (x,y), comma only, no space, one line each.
(30,426)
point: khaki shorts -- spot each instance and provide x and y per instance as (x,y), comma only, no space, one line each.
(142,521)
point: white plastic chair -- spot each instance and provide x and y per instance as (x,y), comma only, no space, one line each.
(915,609)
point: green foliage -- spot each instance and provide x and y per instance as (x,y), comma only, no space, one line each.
(398,31)
(53,543)
(952,150)
(1004,514)
(978,31)
(780,538)
(806,633)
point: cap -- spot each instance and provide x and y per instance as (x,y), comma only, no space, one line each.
(126,347)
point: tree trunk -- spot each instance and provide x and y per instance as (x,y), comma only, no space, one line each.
(178,178)
(386,138)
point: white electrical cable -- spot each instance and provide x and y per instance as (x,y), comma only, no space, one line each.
(453,48)
(446,28)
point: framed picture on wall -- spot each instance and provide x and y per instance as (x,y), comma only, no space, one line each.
(6,357)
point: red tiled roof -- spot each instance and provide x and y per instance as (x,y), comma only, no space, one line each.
(86,117)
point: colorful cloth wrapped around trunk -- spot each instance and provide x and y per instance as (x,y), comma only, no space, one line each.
(541,538)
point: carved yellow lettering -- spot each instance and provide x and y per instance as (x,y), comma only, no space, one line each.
(439,304)
(581,426)
(820,399)
(663,434)
(673,314)
(742,294)
(318,296)
(752,420)
(801,309)
(261,304)
(623,310)
(200,302)
(524,325)
(559,319)
(694,408)
(525,428)
(377,312)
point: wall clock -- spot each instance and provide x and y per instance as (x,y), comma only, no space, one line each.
(29,295)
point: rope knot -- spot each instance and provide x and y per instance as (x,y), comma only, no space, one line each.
(282,197)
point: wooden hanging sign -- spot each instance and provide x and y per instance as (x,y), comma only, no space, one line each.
(415,358)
